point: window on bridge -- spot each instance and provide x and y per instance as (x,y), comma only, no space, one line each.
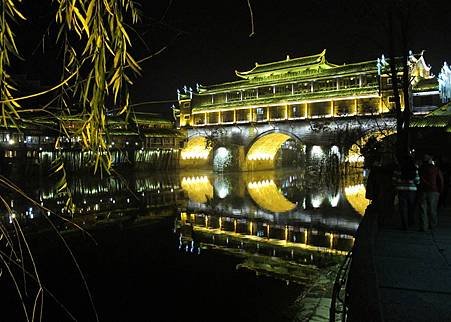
(320,109)
(300,88)
(426,100)
(242,115)
(259,114)
(367,106)
(233,96)
(349,82)
(199,119)
(370,80)
(213,118)
(266,91)
(283,89)
(344,107)
(277,112)
(227,117)
(219,98)
(250,94)
(296,110)
(201,100)
(326,85)
(389,102)
(387,82)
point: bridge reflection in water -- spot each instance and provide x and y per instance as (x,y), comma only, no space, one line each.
(281,214)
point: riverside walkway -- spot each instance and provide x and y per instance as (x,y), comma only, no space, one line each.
(413,271)
(399,275)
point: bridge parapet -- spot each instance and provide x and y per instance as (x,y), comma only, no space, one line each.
(258,146)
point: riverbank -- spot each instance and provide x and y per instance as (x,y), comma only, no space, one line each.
(401,275)
(314,304)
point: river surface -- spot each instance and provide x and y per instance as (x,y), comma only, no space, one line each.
(179,246)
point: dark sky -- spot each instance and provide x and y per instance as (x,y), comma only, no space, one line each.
(206,41)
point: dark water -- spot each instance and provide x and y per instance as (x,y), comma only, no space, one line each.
(182,246)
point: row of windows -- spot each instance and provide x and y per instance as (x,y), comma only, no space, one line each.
(274,113)
(289,89)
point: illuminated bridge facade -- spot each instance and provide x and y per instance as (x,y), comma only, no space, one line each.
(317,106)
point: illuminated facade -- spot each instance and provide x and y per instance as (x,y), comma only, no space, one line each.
(307,100)
(304,88)
(145,140)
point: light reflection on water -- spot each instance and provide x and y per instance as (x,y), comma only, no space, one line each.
(287,225)
(267,212)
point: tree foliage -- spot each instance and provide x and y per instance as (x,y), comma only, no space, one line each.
(97,67)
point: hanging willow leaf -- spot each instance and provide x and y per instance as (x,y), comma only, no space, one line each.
(105,57)
(9,15)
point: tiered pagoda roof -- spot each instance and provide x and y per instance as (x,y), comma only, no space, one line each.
(315,67)
(288,65)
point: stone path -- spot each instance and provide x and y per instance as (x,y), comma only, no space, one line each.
(414,271)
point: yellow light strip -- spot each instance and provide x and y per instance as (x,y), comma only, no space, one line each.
(282,103)
(271,241)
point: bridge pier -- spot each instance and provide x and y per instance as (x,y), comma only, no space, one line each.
(260,146)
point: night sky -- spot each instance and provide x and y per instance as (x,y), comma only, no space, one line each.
(206,41)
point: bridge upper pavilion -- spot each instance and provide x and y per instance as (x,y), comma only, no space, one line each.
(305,89)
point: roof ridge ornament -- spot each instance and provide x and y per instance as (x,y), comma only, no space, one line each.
(444,81)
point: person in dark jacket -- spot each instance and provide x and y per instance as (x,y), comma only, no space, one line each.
(445,167)
(431,185)
(379,189)
(405,180)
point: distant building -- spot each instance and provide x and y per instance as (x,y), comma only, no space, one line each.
(306,88)
(144,140)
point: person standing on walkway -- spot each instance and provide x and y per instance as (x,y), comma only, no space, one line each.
(431,185)
(406,179)
(379,188)
(445,167)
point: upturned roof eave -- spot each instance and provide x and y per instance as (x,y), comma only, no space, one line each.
(242,84)
(304,62)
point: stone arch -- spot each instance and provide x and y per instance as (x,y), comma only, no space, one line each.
(354,154)
(196,152)
(264,148)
